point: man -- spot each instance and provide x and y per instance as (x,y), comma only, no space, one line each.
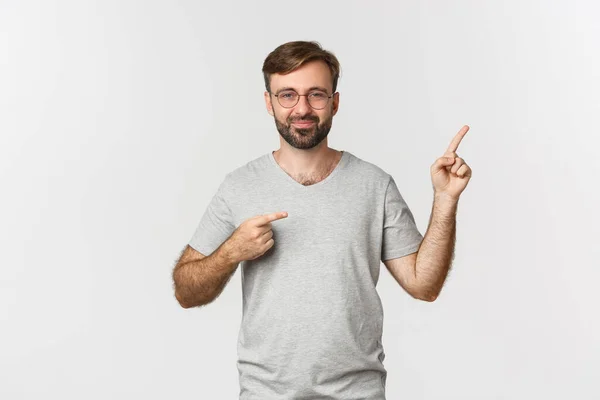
(310,226)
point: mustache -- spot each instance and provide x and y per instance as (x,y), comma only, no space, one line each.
(312,118)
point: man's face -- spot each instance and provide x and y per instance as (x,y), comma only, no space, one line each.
(302,126)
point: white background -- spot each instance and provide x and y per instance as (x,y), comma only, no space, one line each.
(119,119)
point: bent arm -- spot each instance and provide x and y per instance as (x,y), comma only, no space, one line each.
(199,279)
(437,249)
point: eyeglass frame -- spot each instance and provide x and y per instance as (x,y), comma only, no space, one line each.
(301,95)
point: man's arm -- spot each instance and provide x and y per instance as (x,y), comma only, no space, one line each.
(422,274)
(437,249)
(199,279)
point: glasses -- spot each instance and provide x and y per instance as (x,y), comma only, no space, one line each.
(316,99)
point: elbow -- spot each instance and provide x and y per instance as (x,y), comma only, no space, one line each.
(187,303)
(182,302)
(181,299)
(426,295)
(429,298)
(184,295)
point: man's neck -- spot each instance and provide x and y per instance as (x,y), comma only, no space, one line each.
(307,166)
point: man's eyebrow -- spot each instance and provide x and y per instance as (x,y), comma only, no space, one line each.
(321,88)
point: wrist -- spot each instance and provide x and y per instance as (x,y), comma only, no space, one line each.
(445,198)
(229,253)
(444,205)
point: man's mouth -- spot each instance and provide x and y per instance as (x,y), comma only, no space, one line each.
(303,124)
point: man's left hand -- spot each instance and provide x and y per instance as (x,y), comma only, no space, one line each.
(450,174)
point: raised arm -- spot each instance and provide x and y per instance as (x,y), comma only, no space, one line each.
(423,274)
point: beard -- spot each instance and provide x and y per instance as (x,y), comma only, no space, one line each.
(304,138)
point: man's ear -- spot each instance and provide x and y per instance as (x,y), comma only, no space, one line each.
(268,103)
(336,102)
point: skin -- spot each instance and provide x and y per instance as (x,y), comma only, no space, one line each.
(306,157)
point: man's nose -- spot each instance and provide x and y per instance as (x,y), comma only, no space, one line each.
(303,107)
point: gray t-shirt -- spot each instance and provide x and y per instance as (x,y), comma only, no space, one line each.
(312,318)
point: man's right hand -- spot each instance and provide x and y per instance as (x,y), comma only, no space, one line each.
(253,237)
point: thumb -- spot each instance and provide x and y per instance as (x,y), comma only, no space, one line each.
(442,162)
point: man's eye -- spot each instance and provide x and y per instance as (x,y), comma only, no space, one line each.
(318,95)
(287,95)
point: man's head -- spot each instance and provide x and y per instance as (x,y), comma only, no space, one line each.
(301,79)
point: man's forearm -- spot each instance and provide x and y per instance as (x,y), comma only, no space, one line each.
(199,282)
(437,248)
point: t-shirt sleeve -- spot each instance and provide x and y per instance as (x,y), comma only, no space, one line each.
(401,236)
(216,225)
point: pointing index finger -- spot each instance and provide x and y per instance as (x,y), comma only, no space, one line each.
(272,217)
(457,139)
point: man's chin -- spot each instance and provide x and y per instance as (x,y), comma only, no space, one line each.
(304,131)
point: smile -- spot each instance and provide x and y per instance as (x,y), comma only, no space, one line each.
(303,124)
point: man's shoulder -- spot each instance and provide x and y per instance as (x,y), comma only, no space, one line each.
(367,169)
(250,170)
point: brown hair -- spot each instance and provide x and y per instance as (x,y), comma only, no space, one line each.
(292,55)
